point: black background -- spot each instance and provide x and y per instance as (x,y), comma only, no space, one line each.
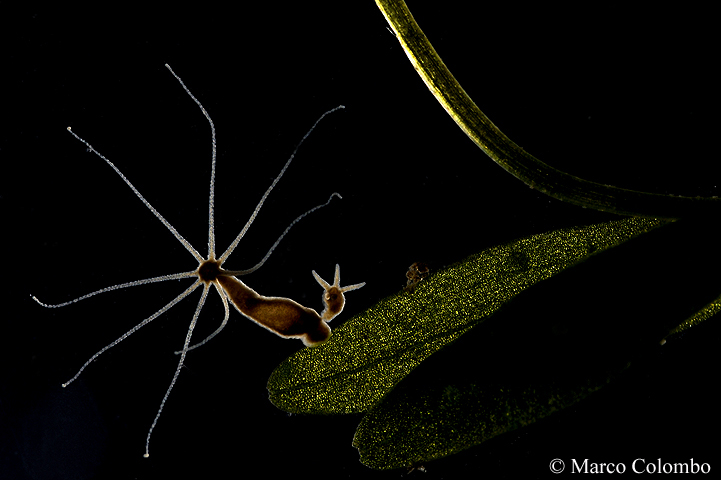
(617,97)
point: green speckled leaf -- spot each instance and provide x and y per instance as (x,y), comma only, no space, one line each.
(370,353)
(413,426)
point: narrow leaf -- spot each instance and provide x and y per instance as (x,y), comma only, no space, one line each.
(509,155)
(547,349)
(414,426)
(369,354)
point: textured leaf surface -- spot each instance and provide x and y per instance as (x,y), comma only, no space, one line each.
(415,426)
(369,354)
(547,349)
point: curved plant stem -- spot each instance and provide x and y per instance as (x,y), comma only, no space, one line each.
(511,157)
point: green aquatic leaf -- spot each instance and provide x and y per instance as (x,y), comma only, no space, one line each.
(547,349)
(372,352)
(413,426)
(708,311)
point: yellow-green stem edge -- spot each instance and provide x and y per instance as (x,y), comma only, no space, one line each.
(514,159)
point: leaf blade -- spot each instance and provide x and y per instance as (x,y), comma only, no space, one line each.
(369,354)
(416,426)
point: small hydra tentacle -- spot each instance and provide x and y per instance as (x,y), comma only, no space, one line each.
(333,298)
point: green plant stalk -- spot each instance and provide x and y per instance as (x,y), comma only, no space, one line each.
(511,157)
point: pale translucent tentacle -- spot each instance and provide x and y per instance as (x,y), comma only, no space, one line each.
(272,185)
(180,365)
(267,255)
(336,278)
(211,201)
(352,287)
(336,282)
(167,224)
(175,276)
(323,283)
(334,305)
(135,329)
(222,325)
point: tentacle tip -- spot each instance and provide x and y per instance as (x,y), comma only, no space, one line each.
(320,281)
(64,385)
(37,300)
(350,288)
(146,455)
